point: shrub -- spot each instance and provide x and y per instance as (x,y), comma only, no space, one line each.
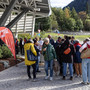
(1,52)
(42,34)
(6,52)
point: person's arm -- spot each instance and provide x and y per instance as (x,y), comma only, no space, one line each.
(33,50)
(54,53)
(83,47)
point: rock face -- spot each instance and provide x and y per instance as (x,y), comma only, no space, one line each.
(79,5)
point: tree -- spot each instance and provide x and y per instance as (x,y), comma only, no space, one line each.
(87,24)
(74,14)
(54,24)
(42,23)
(79,24)
(70,24)
(67,12)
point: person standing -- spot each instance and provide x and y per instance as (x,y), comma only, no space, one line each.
(85,63)
(49,55)
(36,45)
(78,60)
(16,46)
(67,58)
(21,46)
(51,40)
(29,63)
(58,52)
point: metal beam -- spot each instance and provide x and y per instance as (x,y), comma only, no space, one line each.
(7,12)
(16,19)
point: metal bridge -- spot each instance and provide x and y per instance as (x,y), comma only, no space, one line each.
(23,10)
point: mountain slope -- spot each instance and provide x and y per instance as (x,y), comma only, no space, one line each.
(79,5)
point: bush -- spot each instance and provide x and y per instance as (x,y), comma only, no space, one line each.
(42,34)
(5,52)
(1,52)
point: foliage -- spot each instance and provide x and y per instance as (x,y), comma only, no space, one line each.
(42,34)
(1,52)
(64,19)
(87,24)
(5,52)
(42,23)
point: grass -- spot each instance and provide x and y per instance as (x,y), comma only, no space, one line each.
(55,36)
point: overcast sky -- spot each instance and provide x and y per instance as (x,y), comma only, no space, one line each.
(60,3)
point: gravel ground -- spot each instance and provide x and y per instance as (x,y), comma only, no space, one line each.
(15,78)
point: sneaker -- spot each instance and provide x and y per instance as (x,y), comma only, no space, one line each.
(46,77)
(77,76)
(51,78)
(71,78)
(64,78)
(34,80)
(85,83)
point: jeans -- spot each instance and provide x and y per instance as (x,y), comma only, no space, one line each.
(37,63)
(47,64)
(70,69)
(86,70)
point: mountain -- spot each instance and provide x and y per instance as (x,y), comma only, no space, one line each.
(79,5)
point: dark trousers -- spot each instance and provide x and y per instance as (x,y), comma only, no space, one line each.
(16,49)
(61,66)
(34,71)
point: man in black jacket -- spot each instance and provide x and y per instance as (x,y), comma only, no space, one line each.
(67,58)
(57,49)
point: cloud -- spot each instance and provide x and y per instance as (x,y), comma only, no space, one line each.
(60,3)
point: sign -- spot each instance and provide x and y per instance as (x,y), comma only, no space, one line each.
(7,37)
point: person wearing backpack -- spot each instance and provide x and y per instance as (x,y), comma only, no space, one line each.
(29,63)
(67,53)
(85,63)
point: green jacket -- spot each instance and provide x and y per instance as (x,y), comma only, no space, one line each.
(50,53)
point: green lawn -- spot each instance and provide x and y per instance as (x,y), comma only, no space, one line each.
(55,36)
(79,37)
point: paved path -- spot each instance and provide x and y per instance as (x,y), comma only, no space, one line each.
(15,78)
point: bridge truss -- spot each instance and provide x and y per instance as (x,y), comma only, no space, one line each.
(24,10)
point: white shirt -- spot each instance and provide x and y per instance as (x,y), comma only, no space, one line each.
(84,46)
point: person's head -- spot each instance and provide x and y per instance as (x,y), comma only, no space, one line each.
(37,38)
(49,36)
(76,41)
(87,39)
(35,42)
(72,37)
(69,38)
(65,36)
(46,41)
(59,39)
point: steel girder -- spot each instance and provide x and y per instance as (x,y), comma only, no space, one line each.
(41,7)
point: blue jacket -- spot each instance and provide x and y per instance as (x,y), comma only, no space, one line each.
(78,54)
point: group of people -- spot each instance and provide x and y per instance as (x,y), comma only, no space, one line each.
(65,51)
(19,45)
